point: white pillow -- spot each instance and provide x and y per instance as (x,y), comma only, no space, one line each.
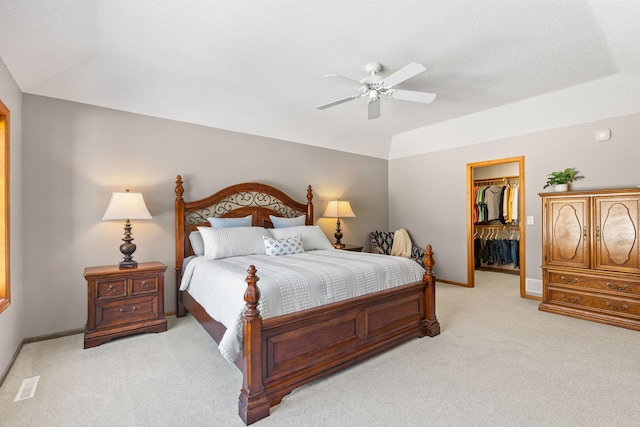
(280,222)
(289,246)
(236,241)
(244,221)
(312,236)
(197,243)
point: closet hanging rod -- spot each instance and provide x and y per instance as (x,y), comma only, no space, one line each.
(501,180)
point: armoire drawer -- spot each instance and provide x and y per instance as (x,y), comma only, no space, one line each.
(608,284)
(594,302)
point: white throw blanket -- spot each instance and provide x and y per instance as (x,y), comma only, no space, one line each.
(289,283)
(401,244)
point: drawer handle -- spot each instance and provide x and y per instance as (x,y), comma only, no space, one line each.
(111,289)
(128,312)
(144,285)
(613,307)
(567,299)
(616,288)
(570,282)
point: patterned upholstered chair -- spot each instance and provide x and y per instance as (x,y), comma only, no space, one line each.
(382,242)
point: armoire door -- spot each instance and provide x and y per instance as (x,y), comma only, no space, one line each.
(616,221)
(567,232)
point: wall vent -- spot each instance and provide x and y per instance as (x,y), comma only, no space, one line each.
(27,388)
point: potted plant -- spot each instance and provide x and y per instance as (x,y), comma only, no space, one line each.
(562,179)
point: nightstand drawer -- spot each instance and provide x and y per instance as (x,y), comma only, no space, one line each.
(111,288)
(131,310)
(144,285)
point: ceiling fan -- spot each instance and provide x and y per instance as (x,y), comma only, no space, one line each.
(373,86)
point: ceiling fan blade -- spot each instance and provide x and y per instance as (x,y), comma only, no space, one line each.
(345,80)
(374,108)
(403,74)
(337,102)
(410,95)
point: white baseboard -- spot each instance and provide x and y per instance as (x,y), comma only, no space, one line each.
(533,287)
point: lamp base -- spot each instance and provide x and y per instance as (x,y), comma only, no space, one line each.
(128,264)
(338,235)
(127,248)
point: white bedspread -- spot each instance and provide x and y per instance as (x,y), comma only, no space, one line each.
(289,283)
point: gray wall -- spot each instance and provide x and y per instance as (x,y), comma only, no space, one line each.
(11,320)
(75,155)
(427,193)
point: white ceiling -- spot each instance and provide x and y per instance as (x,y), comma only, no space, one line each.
(257,66)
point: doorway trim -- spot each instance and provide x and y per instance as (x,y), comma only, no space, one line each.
(521,211)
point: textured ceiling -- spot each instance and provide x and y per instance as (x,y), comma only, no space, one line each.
(257,66)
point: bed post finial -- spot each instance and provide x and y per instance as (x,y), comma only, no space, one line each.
(253,403)
(428,260)
(179,188)
(252,294)
(309,206)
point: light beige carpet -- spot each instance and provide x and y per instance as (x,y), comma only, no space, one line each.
(498,362)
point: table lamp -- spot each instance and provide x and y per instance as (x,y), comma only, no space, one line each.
(338,209)
(127,206)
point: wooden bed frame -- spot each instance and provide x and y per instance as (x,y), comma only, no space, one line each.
(282,353)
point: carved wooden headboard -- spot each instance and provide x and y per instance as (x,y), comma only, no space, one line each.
(251,198)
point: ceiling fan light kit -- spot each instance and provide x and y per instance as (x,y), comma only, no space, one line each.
(373,86)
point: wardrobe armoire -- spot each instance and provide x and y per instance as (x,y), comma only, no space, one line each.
(591,255)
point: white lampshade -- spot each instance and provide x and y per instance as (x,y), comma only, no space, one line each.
(126,206)
(339,209)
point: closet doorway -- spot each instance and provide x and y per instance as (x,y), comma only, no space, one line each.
(485,223)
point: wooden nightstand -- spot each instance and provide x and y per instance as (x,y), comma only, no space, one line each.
(124,302)
(352,248)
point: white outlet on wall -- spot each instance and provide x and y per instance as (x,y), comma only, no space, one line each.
(530,220)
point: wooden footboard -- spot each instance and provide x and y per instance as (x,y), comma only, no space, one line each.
(285,352)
